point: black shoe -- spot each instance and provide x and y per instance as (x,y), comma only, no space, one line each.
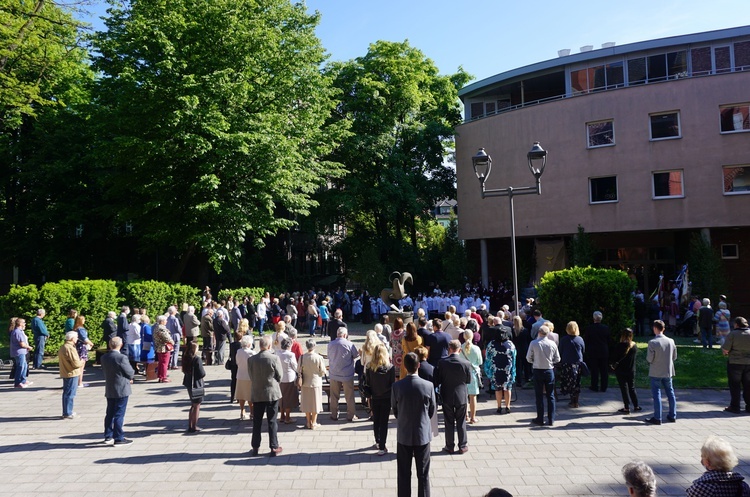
(499,410)
(733,410)
(448,451)
(638,409)
(254,452)
(653,421)
(124,441)
(594,389)
(671,420)
(538,422)
(551,423)
(624,411)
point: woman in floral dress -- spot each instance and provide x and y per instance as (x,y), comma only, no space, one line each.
(500,368)
(397,351)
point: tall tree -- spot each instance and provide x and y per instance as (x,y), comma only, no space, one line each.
(403,113)
(213,120)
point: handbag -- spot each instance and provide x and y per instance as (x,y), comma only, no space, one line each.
(364,387)
(169,347)
(196,392)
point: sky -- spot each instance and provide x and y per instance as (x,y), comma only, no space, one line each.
(487,37)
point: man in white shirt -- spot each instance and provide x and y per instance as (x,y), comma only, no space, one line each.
(543,355)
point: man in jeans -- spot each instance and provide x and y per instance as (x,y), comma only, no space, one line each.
(543,355)
(341,356)
(737,349)
(661,356)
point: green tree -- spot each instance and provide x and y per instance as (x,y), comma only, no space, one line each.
(706,269)
(581,249)
(213,116)
(402,114)
(455,261)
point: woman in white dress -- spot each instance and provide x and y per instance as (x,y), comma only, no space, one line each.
(312,369)
(244,385)
(288,383)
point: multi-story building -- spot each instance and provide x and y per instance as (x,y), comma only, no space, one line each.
(444,211)
(648,144)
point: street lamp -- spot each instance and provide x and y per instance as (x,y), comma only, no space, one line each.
(537,161)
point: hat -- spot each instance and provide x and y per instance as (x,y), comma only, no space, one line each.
(723,297)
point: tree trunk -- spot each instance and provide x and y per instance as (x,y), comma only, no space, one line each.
(413,232)
(180,269)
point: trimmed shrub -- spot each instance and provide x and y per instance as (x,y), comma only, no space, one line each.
(20,301)
(574,294)
(240,293)
(185,294)
(91,298)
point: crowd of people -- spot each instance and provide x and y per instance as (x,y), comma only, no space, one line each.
(412,369)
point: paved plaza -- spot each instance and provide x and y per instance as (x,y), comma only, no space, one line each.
(43,455)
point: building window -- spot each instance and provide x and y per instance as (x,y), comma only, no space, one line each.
(665,125)
(730,251)
(742,55)
(736,180)
(477,110)
(600,134)
(735,118)
(668,184)
(700,59)
(722,59)
(603,190)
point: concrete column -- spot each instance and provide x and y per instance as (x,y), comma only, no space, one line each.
(484,263)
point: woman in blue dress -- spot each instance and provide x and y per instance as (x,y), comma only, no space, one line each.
(148,351)
(500,368)
(471,353)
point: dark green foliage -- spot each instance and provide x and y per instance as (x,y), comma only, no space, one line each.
(706,269)
(455,262)
(574,294)
(581,249)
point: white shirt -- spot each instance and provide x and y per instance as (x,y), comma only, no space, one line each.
(288,366)
(134,334)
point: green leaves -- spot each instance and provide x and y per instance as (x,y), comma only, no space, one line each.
(220,105)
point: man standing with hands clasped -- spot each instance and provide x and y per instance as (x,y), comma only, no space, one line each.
(543,355)
(452,375)
(661,356)
(413,402)
(264,369)
(118,376)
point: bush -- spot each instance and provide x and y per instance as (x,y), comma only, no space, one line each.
(185,294)
(240,293)
(91,298)
(157,296)
(20,301)
(574,294)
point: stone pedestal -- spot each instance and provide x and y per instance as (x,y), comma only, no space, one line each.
(407,317)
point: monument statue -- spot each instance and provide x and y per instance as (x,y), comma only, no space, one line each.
(391,296)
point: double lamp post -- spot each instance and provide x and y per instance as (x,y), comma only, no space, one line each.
(537,160)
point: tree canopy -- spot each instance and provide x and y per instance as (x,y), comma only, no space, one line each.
(213,120)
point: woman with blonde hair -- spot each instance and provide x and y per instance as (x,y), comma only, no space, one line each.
(624,367)
(569,367)
(717,456)
(552,335)
(471,353)
(380,376)
(522,340)
(368,348)
(312,369)
(409,343)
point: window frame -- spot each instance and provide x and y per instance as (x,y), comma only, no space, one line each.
(723,177)
(664,113)
(617,190)
(736,255)
(588,136)
(667,197)
(727,106)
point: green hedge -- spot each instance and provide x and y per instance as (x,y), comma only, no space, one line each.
(93,299)
(574,294)
(240,293)
(157,296)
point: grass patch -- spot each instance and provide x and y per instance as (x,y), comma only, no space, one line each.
(695,366)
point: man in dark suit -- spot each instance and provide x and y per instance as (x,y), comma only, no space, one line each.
(118,375)
(109,326)
(422,328)
(596,336)
(437,342)
(451,376)
(413,402)
(335,324)
(207,332)
(122,328)
(265,372)
(221,334)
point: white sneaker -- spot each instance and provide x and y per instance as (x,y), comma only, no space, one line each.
(72,416)
(109,441)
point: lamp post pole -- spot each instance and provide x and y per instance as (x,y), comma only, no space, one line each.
(482,164)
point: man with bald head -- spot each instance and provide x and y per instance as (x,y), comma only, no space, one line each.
(264,369)
(341,356)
